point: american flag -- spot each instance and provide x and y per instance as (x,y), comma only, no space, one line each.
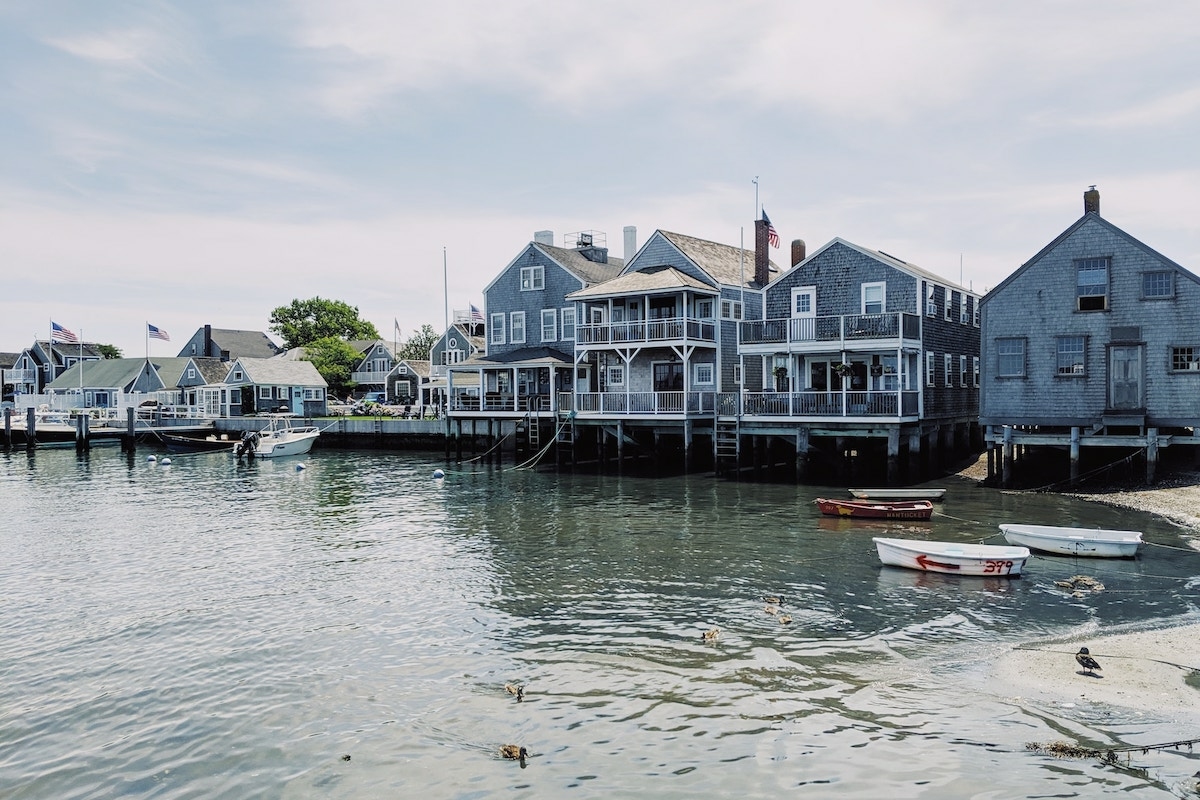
(60,334)
(476,314)
(157,333)
(772,234)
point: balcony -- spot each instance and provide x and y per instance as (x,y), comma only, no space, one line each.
(638,404)
(371,378)
(845,331)
(645,331)
(19,376)
(798,405)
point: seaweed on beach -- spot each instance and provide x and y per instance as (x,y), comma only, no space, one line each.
(1079,584)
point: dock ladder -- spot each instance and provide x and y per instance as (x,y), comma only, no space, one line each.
(728,444)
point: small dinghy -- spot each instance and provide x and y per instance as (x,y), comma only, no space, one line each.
(1067,541)
(910,493)
(952,558)
(876,509)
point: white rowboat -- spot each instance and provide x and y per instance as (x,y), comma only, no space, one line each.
(1074,541)
(911,493)
(952,558)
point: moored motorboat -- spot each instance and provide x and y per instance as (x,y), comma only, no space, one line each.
(951,557)
(905,493)
(278,439)
(1093,542)
(876,509)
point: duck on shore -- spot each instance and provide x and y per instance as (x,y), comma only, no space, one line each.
(1085,660)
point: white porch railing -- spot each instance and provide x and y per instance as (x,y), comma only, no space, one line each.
(821,404)
(843,328)
(646,330)
(639,403)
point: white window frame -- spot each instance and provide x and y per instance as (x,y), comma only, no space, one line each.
(930,368)
(737,374)
(964,316)
(402,369)
(568,328)
(931,308)
(1000,356)
(975,371)
(264,393)
(516,327)
(704,308)
(614,375)
(964,380)
(731,309)
(948,364)
(191,373)
(496,329)
(533,278)
(869,287)
(949,309)
(549,334)
(704,373)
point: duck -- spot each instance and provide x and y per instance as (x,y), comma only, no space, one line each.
(1086,661)
(771,610)
(514,752)
(711,634)
(774,599)
(516,690)
(784,619)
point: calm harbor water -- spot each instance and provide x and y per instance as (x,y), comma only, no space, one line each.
(209,629)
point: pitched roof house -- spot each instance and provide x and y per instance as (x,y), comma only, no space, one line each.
(228,344)
(274,384)
(1094,341)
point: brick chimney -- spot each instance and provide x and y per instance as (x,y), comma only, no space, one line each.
(1091,201)
(799,251)
(762,263)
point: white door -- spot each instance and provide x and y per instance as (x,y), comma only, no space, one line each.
(804,314)
(1125,377)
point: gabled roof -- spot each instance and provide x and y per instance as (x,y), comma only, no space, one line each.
(885,258)
(363,345)
(280,372)
(251,344)
(477,342)
(728,266)
(7,360)
(417,366)
(1099,220)
(213,370)
(652,280)
(538,355)
(64,350)
(170,369)
(109,373)
(587,271)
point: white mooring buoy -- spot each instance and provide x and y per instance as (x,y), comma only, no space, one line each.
(437,473)
(165,461)
(300,467)
(152,458)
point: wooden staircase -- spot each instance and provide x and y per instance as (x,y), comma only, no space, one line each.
(728,445)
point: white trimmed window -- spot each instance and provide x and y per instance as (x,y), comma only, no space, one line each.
(704,308)
(930,300)
(964,378)
(872,297)
(948,364)
(496,329)
(930,369)
(731,309)
(549,325)
(615,375)
(1072,352)
(264,392)
(975,371)
(567,318)
(516,322)
(533,278)
(702,374)
(1091,284)
(1010,358)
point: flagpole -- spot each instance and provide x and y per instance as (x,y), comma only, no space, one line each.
(81,365)
(446,293)
(755,182)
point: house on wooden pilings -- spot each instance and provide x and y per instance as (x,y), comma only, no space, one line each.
(529,362)
(1093,345)
(860,359)
(656,348)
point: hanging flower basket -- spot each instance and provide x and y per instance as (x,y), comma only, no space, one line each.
(842,369)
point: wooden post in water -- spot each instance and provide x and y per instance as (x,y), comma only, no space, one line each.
(893,454)
(7,428)
(30,428)
(1151,454)
(1074,455)
(130,437)
(802,453)
(1006,458)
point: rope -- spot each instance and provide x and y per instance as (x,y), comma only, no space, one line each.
(1109,755)
(532,462)
(1088,474)
(1191,550)
(1103,655)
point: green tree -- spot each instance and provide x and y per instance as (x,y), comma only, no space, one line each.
(306,321)
(417,346)
(108,351)
(335,359)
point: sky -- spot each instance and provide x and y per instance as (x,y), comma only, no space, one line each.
(192,163)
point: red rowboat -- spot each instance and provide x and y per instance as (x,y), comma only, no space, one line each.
(876,509)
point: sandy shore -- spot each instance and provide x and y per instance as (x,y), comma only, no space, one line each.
(1133,672)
